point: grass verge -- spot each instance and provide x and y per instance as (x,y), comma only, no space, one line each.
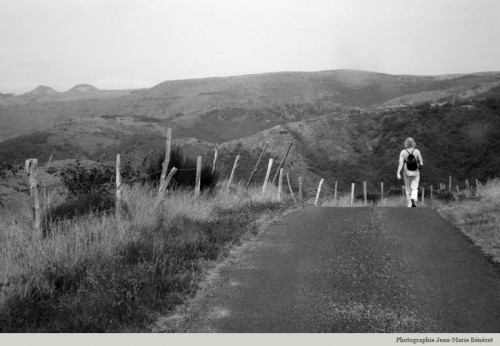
(477,215)
(94,274)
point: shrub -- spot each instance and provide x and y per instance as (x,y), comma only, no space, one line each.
(445,195)
(80,180)
(186,174)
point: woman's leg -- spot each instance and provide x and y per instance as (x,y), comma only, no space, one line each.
(407,189)
(414,187)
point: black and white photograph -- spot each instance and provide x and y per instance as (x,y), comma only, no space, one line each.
(251,168)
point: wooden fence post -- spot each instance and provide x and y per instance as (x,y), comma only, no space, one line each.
(282,162)
(31,166)
(458,189)
(165,184)
(215,158)
(432,193)
(290,188)
(335,193)
(232,172)
(198,177)
(403,190)
(280,184)
(352,194)
(423,194)
(364,193)
(449,184)
(319,190)
(467,184)
(166,161)
(301,196)
(256,166)
(264,187)
(118,201)
(381,190)
(477,184)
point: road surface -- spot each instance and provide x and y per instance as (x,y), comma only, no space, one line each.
(341,270)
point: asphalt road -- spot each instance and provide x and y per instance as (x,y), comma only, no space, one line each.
(342,270)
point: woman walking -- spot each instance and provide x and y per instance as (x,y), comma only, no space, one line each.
(411,160)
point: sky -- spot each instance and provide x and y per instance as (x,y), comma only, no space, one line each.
(122,44)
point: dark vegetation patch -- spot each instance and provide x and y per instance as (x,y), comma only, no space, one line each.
(186,174)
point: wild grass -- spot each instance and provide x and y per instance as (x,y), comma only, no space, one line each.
(94,273)
(477,214)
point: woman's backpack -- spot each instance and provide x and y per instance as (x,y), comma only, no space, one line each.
(411,161)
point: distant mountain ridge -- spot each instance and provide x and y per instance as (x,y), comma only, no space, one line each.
(259,101)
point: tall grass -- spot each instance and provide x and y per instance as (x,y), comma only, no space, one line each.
(92,273)
(477,214)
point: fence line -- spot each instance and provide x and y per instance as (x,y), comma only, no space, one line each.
(164,179)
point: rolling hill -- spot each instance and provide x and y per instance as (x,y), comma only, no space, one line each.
(192,102)
(346,126)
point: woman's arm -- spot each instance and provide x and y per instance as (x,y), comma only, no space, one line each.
(400,166)
(420,159)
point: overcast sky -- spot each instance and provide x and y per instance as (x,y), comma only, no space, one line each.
(119,44)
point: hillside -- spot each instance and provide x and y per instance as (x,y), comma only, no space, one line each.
(460,140)
(192,102)
(331,141)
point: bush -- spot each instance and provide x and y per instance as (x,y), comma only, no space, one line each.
(80,180)
(445,195)
(186,174)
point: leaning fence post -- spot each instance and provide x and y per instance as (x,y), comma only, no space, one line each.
(264,187)
(301,196)
(282,162)
(232,172)
(352,194)
(166,160)
(290,188)
(165,184)
(215,158)
(280,184)
(31,166)
(319,190)
(256,166)
(364,193)
(467,184)
(118,202)
(198,177)
(335,193)
(458,189)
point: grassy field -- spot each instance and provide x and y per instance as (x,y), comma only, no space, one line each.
(478,217)
(94,274)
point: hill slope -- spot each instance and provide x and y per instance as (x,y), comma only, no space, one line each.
(189,102)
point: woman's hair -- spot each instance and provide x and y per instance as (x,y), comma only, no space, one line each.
(409,143)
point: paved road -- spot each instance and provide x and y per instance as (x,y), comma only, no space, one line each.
(350,270)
